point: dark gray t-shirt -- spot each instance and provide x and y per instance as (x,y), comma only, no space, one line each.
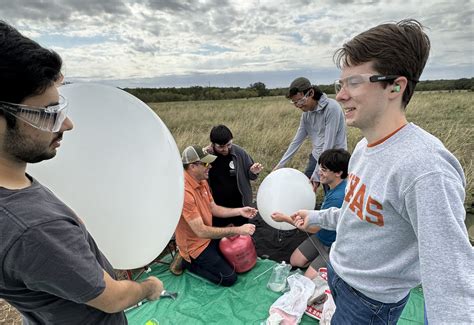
(50,264)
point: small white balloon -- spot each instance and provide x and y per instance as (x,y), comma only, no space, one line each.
(120,170)
(285,190)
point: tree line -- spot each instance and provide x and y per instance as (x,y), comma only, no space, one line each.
(259,89)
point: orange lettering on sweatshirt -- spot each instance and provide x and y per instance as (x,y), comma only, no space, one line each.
(353,181)
(371,213)
(357,204)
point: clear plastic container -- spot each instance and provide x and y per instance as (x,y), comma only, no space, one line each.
(277,281)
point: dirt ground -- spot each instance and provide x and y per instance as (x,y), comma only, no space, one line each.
(8,314)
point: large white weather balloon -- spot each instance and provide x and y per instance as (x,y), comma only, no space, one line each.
(120,170)
(285,190)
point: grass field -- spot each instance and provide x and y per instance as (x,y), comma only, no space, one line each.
(265,126)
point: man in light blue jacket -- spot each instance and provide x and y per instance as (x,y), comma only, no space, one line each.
(322,121)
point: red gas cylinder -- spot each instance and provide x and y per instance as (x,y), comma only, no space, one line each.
(239,251)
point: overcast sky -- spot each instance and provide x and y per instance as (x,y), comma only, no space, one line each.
(164,43)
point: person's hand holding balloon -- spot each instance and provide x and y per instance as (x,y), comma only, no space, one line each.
(300,219)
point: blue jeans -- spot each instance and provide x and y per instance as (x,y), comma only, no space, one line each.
(353,307)
(310,166)
(426,317)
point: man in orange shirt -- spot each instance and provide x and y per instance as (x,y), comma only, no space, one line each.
(196,238)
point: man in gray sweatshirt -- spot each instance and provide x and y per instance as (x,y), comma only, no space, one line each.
(322,121)
(402,220)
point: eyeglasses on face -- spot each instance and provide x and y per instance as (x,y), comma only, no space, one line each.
(223,146)
(302,100)
(323,169)
(49,118)
(354,81)
(202,164)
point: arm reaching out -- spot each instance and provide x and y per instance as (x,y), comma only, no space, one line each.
(327,219)
(204,231)
(223,212)
(119,295)
(300,219)
(280,217)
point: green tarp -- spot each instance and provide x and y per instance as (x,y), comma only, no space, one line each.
(247,302)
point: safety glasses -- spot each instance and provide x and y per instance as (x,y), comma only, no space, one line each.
(228,145)
(352,82)
(202,164)
(302,100)
(48,118)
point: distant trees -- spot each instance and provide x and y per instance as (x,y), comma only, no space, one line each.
(154,95)
(458,84)
(259,89)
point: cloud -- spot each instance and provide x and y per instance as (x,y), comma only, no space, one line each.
(148,39)
(62,11)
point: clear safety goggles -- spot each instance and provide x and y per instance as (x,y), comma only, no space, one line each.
(352,82)
(302,100)
(228,145)
(48,118)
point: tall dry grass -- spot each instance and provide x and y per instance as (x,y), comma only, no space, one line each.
(265,126)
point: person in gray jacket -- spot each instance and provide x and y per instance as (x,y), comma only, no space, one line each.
(322,121)
(230,175)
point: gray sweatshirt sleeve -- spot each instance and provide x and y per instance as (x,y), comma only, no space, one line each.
(332,123)
(326,219)
(434,205)
(295,144)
